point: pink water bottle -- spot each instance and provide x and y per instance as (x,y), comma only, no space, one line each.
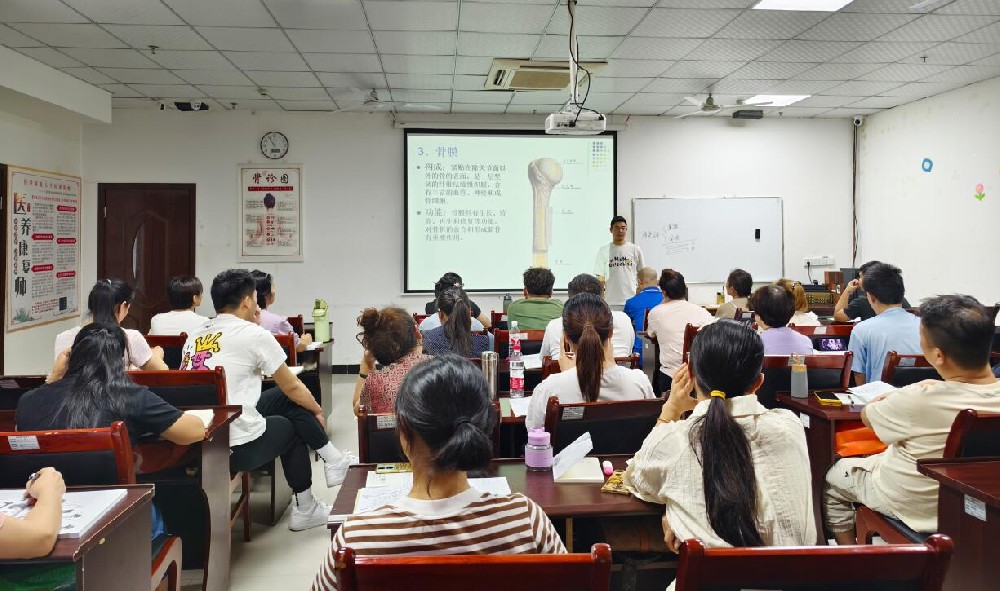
(538,451)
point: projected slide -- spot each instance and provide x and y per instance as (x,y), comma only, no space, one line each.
(490,205)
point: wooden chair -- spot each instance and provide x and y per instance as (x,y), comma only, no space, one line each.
(828,338)
(531,342)
(919,567)
(615,427)
(824,372)
(483,572)
(745,316)
(88,457)
(287,342)
(172,344)
(378,441)
(690,331)
(498,320)
(903,370)
(298,326)
(418,318)
(11,390)
(551,366)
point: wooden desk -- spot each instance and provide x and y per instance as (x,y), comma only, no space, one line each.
(821,427)
(559,501)
(976,481)
(115,554)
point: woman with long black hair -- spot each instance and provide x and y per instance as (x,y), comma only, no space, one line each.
(455,333)
(754,488)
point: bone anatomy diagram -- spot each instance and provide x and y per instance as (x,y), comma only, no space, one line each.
(544,174)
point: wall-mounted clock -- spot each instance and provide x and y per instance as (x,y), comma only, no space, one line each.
(274,145)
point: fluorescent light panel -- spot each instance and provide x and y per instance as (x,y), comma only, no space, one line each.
(777,100)
(803,5)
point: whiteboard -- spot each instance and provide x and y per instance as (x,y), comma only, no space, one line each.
(706,238)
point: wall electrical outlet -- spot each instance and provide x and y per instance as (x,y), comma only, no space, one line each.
(819,261)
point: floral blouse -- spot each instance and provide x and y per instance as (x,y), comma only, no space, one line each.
(378,394)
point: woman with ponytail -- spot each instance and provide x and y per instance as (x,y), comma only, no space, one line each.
(733,473)
(444,418)
(455,333)
(109,303)
(588,369)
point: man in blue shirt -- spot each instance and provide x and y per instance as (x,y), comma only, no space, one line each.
(648,295)
(892,329)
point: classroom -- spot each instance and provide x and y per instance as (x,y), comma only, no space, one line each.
(356,153)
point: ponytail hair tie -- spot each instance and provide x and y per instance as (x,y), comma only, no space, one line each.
(718,394)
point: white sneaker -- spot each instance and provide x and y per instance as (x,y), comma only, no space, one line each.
(335,473)
(315,517)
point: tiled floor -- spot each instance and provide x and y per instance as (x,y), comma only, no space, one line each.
(277,558)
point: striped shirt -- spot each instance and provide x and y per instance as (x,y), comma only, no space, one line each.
(470,522)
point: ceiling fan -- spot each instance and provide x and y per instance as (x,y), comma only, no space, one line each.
(372,103)
(710,107)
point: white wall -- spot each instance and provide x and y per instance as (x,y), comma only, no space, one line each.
(353,187)
(930,224)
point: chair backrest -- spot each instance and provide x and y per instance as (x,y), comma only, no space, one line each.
(287,342)
(551,366)
(824,372)
(11,390)
(297,324)
(827,337)
(615,427)
(690,331)
(903,370)
(378,442)
(196,387)
(418,318)
(747,316)
(498,320)
(83,456)
(531,342)
(172,344)
(483,572)
(974,434)
(913,567)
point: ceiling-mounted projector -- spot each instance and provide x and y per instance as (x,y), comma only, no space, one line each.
(574,121)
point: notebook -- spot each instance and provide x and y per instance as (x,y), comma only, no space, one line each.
(81,510)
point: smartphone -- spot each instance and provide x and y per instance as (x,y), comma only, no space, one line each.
(827,398)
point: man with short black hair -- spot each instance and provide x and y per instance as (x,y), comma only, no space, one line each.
(537,308)
(853,303)
(739,284)
(617,265)
(892,329)
(622,334)
(956,335)
(184,294)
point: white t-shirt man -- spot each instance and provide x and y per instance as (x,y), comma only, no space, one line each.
(176,322)
(248,352)
(622,336)
(617,384)
(619,265)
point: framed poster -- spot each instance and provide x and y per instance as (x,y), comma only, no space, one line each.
(43,247)
(270,213)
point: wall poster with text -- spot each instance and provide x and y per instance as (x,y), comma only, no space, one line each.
(270,213)
(43,247)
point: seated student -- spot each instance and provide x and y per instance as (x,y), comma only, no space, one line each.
(444,418)
(589,372)
(739,284)
(733,473)
(668,321)
(285,421)
(852,303)
(955,336)
(390,338)
(109,302)
(537,307)
(774,306)
(274,323)
(184,294)
(455,333)
(647,296)
(802,316)
(622,337)
(892,329)
(480,320)
(35,535)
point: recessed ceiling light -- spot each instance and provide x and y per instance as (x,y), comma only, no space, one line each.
(805,5)
(777,100)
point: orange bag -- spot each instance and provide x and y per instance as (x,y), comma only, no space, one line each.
(854,439)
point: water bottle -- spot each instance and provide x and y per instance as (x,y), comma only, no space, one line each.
(538,451)
(800,377)
(516,363)
(506,302)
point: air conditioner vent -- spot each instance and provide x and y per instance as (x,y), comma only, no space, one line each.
(510,74)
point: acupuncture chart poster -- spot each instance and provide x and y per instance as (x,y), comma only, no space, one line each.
(43,247)
(270,213)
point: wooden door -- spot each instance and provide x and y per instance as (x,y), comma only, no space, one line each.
(145,236)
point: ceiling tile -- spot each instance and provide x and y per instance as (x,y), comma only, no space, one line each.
(120,90)
(355,96)
(649,48)
(707,3)
(300,79)
(311,40)
(606,101)
(600,84)
(169,90)
(988,34)
(591,48)
(540,97)
(477,108)
(128,12)
(497,45)
(111,58)
(846,113)
(163,37)
(826,102)
(317,105)
(641,68)
(422,81)
(702,69)
(470,82)
(89,75)
(793,112)
(76,35)
(38,11)
(216,77)
(990,7)
(132,103)
(879,102)
(771,70)
(541,111)
(964,74)
(993,60)
(860,88)
(493,97)
(856,26)
(416,43)
(222,13)
(421,96)
(933,27)
(418,64)
(802,86)
(499,18)
(241,39)
(262,60)
(808,51)
(734,49)
(14,39)
(837,71)
(473,65)
(918,90)
(595,20)
(343,62)
(335,16)
(50,57)
(903,72)
(884,6)
(669,22)
(297,94)
(879,52)
(354,80)
(141,76)
(413,107)
(412,16)
(191,60)
(258,104)
(627,109)
(770,24)
(955,54)
(654,99)
(231,92)
(744,87)
(679,85)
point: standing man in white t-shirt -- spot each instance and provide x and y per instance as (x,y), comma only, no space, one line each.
(618,265)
